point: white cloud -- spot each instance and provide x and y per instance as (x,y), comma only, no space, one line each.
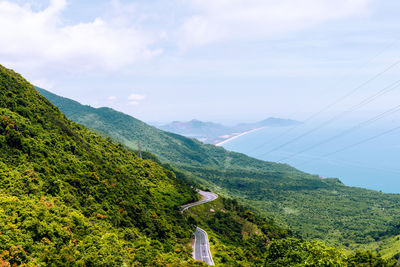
(133,103)
(136,97)
(112,98)
(30,39)
(218,20)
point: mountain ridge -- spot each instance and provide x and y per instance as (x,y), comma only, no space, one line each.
(71,197)
(346,216)
(213,133)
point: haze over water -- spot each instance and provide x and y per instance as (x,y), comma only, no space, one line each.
(372,165)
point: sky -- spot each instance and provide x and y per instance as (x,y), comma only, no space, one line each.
(215,60)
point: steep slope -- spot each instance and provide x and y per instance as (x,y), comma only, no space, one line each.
(316,208)
(168,147)
(71,198)
(68,196)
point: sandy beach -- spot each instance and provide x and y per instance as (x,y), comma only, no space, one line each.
(236,136)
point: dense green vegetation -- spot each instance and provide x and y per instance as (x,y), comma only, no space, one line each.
(68,196)
(294,252)
(316,209)
(387,247)
(168,147)
(238,237)
(323,209)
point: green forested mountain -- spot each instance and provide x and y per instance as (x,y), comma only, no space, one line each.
(168,147)
(316,208)
(69,197)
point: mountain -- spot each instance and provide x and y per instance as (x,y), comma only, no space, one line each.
(206,132)
(213,133)
(69,197)
(315,208)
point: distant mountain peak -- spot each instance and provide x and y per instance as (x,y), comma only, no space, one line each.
(213,133)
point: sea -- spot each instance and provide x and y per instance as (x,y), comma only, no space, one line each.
(362,156)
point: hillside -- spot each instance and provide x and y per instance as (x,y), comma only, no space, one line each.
(237,238)
(168,147)
(69,196)
(213,133)
(72,198)
(316,208)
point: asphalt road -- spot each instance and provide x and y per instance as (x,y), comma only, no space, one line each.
(201,246)
(206,197)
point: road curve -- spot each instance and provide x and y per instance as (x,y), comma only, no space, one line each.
(201,246)
(206,197)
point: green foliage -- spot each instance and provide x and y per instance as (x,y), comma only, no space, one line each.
(316,208)
(367,259)
(70,197)
(389,247)
(237,236)
(294,252)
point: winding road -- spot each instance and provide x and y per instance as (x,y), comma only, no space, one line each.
(206,197)
(201,246)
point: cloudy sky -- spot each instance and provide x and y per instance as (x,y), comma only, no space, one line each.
(219,60)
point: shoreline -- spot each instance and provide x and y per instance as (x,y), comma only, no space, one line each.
(236,136)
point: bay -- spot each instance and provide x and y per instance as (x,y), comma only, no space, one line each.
(373,164)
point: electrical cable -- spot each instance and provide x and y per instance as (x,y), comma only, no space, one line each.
(355,107)
(356,127)
(354,145)
(339,99)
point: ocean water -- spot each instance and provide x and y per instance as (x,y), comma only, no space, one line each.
(374,164)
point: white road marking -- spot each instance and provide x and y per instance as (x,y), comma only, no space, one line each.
(204,244)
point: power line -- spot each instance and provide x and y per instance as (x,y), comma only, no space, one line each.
(358,126)
(352,163)
(355,144)
(357,106)
(339,99)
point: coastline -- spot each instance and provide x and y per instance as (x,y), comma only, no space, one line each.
(236,136)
